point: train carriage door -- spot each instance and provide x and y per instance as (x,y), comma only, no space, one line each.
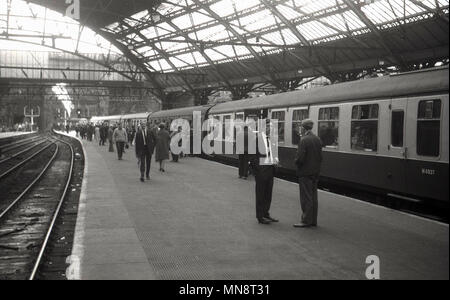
(426,174)
(397,148)
(397,124)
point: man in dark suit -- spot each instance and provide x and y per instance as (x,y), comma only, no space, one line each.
(264,166)
(308,160)
(145,141)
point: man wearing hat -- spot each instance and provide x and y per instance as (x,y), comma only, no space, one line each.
(308,160)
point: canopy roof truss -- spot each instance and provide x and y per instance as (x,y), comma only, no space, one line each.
(189,45)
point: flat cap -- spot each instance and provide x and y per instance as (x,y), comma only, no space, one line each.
(307,122)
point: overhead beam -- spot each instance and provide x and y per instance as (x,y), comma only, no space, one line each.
(227,25)
(160,51)
(436,11)
(201,51)
(147,74)
(362,16)
(297,34)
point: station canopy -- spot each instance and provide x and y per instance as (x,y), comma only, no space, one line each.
(197,43)
(229,30)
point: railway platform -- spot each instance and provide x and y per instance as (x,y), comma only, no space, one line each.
(4,135)
(197,221)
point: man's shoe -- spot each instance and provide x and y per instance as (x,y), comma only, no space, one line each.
(142,179)
(271,219)
(302,225)
(148,177)
(263,221)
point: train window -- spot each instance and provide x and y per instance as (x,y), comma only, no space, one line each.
(328,126)
(298,116)
(397,125)
(226,131)
(280,116)
(429,127)
(364,132)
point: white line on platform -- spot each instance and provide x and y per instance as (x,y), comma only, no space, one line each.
(73,272)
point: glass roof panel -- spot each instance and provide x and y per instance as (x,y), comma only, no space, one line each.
(249,18)
(311,6)
(259,25)
(223,8)
(314,30)
(29,21)
(214,55)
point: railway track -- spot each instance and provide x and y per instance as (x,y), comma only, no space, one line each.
(17,144)
(34,194)
(14,161)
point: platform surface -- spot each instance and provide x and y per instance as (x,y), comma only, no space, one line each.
(4,135)
(197,221)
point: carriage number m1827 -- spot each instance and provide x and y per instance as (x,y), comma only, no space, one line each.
(428,171)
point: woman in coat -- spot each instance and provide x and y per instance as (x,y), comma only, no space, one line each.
(162,147)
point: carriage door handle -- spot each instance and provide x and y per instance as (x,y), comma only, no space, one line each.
(405,152)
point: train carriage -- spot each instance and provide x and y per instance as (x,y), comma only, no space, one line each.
(388,133)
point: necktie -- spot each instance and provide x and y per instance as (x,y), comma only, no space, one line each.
(269,157)
(144,135)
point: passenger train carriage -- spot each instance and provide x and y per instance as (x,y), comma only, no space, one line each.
(387,134)
(126,120)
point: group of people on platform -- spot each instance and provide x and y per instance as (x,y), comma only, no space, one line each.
(147,140)
(308,161)
(151,139)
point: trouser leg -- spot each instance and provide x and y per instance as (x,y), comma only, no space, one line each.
(306,199)
(148,164)
(268,193)
(259,193)
(142,164)
(120,149)
(241,167)
(315,201)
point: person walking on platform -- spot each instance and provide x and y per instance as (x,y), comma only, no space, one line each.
(97,134)
(308,160)
(103,134)
(144,145)
(120,138)
(110,138)
(264,165)
(162,147)
(90,132)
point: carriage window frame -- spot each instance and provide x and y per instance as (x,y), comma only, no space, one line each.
(295,139)
(361,119)
(219,136)
(224,129)
(281,140)
(393,132)
(428,119)
(328,119)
